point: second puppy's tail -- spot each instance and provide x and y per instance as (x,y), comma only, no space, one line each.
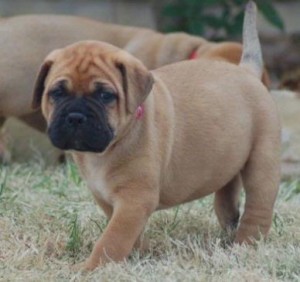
(251,56)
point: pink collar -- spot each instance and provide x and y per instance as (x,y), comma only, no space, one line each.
(139,113)
(193,55)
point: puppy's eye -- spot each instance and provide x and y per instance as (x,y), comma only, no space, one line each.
(57,93)
(107,97)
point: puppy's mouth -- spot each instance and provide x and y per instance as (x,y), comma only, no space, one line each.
(79,132)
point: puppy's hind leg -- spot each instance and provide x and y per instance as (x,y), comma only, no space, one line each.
(261,177)
(226,204)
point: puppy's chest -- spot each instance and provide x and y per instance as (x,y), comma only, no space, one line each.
(98,185)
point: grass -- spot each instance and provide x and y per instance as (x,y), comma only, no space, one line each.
(48,221)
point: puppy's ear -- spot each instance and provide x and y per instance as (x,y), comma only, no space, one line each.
(40,80)
(137,83)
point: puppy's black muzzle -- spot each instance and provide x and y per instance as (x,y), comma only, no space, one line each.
(80,124)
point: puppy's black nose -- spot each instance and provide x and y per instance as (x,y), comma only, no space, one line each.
(75,119)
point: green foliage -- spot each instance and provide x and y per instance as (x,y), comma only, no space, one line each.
(290,189)
(269,12)
(213,19)
(72,173)
(75,237)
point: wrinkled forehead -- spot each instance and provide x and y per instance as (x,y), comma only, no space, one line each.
(83,67)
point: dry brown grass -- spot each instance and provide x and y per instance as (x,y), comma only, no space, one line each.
(48,221)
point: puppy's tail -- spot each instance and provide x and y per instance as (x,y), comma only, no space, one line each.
(251,56)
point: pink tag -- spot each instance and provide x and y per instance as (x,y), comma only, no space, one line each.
(193,55)
(139,112)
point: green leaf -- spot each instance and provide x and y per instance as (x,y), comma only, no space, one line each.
(270,13)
